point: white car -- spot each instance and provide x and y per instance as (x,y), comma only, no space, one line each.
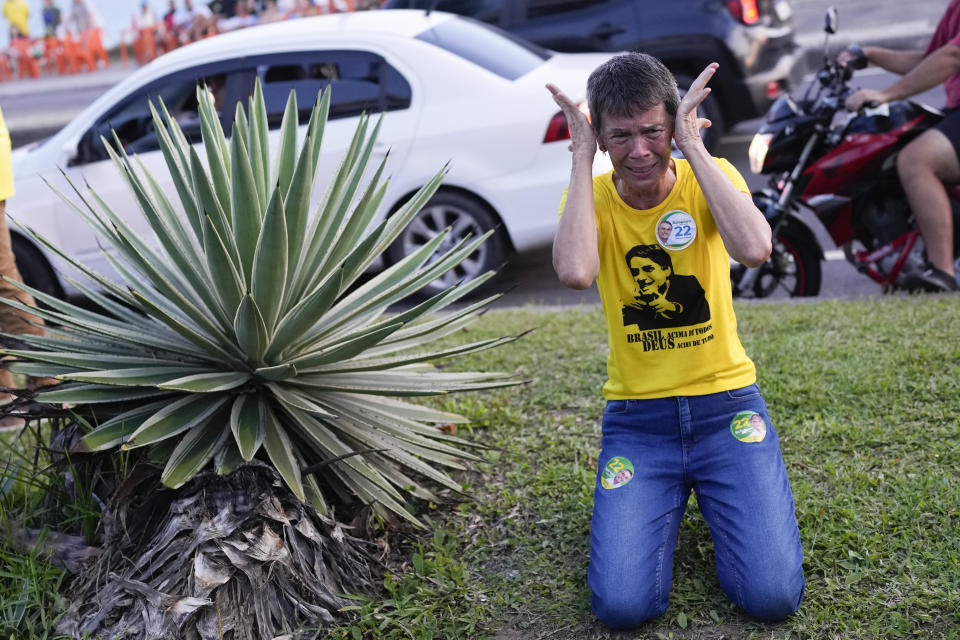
(450,88)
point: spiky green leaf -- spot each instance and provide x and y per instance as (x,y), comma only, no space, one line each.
(98,393)
(244,200)
(185,413)
(118,429)
(251,331)
(248,423)
(208,382)
(270,262)
(194,452)
(281,452)
(227,459)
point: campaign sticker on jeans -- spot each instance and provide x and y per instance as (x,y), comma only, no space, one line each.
(748,426)
(618,472)
(676,230)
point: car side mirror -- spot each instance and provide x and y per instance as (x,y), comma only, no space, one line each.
(832,18)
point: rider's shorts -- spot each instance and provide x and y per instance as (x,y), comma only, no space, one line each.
(950,127)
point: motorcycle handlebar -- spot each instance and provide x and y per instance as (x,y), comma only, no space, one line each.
(838,70)
(852,58)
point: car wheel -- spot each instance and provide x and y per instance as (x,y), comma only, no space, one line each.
(709,109)
(466,217)
(33,267)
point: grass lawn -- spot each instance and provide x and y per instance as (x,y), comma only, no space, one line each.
(866,399)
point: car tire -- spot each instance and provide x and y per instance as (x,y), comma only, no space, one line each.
(34,268)
(465,216)
(709,109)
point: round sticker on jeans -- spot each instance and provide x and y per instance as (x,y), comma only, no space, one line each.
(676,230)
(748,426)
(618,472)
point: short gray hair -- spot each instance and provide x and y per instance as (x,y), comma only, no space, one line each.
(628,83)
(650,252)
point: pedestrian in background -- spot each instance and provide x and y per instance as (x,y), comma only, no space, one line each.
(81,17)
(193,22)
(145,19)
(51,19)
(17,14)
(242,18)
(12,320)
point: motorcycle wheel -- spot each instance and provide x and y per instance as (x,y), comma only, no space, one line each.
(793,267)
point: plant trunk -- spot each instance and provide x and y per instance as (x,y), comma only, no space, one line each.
(232,557)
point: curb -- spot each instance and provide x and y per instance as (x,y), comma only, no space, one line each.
(101,78)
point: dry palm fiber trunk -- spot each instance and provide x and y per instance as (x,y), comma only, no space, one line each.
(233,556)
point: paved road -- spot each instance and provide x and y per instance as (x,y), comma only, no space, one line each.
(37,108)
(872,21)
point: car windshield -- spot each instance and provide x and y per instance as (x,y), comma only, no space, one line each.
(496,51)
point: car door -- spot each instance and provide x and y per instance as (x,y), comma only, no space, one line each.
(576,26)
(360,81)
(131,120)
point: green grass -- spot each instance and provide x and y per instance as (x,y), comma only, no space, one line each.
(866,399)
(29,587)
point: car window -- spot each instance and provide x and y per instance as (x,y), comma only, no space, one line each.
(489,47)
(133,123)
(541,8)
(359,81)
(486,10)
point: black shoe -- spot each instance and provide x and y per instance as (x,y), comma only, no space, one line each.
(933,279)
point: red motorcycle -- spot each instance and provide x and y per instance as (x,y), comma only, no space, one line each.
(842,167)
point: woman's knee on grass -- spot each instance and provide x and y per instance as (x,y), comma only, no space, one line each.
(621,607)
(772,600)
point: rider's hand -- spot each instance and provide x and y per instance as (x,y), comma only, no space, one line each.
(583,139)
(864,97)
(687,129)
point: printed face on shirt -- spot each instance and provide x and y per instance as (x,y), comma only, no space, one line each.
(652,280)
(639,148)
(664,229)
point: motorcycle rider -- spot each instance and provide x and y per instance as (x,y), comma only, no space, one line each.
(931,160)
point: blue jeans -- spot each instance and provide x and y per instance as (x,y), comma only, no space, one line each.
(654,453)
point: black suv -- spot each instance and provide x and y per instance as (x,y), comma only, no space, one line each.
(751,39)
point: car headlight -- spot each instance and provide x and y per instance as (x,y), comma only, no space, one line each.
(758,151)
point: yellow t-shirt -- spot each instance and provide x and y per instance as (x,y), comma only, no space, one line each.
(6,170)
(665,288)
(17,14)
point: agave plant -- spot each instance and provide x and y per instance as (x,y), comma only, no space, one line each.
(242,331)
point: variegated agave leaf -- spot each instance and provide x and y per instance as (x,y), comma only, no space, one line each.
(238,333)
